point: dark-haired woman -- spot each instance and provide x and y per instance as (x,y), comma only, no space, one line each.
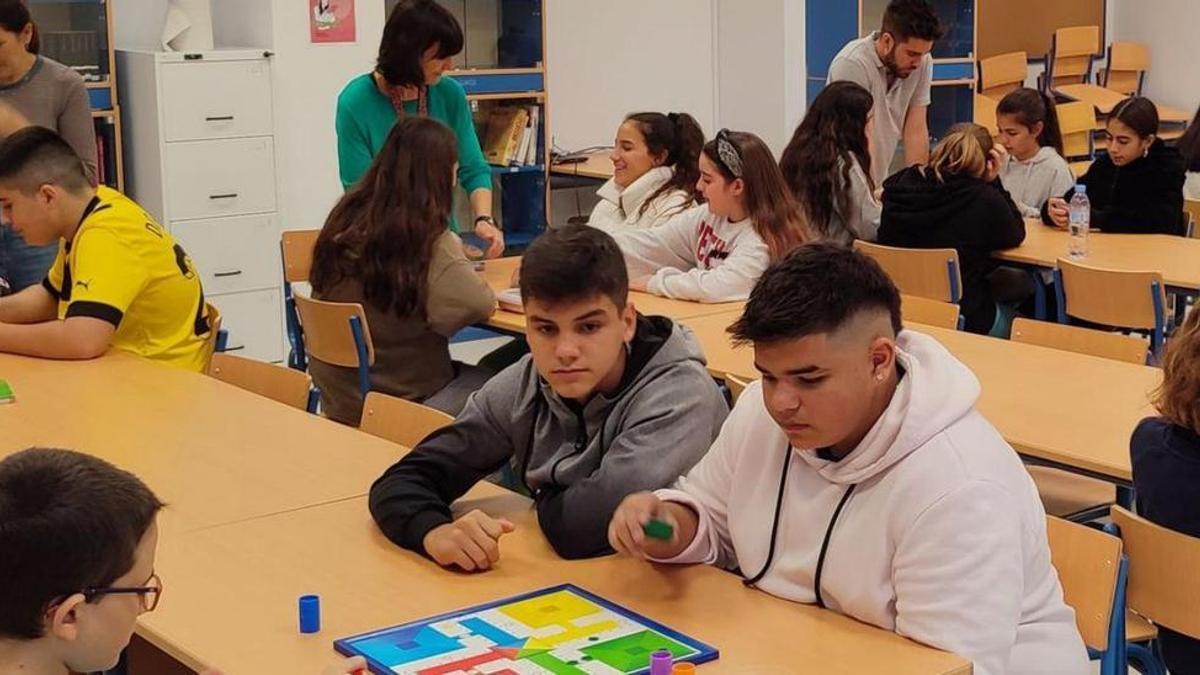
(419,43)
(655,170)
(44,92)
(827,165)
(1137,187)
(386,245)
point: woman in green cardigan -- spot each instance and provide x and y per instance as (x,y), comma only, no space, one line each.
(419,44)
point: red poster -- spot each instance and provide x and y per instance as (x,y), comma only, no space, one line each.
(331,21)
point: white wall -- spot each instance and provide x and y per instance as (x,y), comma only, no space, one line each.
(1169,27)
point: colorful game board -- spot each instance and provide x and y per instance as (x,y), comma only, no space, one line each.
(562,630)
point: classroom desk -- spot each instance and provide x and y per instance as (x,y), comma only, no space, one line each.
(597,165)
(1104,100)
(214,453)
(1067,409)
(1177,258)
(230,597)
(498,274)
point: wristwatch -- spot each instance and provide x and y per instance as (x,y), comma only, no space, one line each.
(490,221)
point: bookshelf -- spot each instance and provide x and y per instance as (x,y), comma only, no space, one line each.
(79,34)
(503,65)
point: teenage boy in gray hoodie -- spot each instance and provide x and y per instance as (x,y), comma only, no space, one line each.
(608,403)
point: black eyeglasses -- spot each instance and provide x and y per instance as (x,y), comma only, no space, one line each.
(149,594)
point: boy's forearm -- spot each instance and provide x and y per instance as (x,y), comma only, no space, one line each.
(51,340)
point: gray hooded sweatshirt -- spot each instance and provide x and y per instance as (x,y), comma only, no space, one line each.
(1035,180)
(578,461)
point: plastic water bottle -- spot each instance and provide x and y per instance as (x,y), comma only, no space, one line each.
(1079,221)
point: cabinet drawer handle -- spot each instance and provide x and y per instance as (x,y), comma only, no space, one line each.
(234,349)
(230,195)
(219,118)
(234,273)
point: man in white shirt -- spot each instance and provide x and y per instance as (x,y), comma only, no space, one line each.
(895,65)
(858,475)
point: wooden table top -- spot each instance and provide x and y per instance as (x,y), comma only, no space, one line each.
(597,165)
(1051,404)
(214,453)
(499,272)
(1177,258)
(231,593)
(1104,100)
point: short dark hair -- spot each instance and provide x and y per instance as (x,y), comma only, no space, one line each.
(68,521)
(413,27)
(1137,113)
(816,289)
(907,19)
(574,262)
(36,156)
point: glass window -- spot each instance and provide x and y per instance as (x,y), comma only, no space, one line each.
(74,33)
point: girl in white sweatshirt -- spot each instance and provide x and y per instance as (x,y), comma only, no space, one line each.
(858,476)
(715,252)
(654,171)
(1035,170)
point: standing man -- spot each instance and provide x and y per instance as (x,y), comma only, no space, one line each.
(895,65)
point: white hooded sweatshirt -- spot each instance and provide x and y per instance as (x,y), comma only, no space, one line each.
(619,208)
(1034,181)
(943,539)
(697,256)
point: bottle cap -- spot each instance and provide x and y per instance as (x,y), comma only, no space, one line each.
(1081,189)
(310,614)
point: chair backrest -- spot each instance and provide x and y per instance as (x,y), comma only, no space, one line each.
(1002,73)
(399,420)
(1071,53)
(1192,207)
(929,312)
(1077,121)
(1111,297)
(924,272)
(1126,67)
(211,343)
(296,247)
(1114,346)
(288,386)
(1163,584)
(1088,563)
(736,385)
(329,333)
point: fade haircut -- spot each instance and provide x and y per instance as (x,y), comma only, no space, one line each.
(36,156)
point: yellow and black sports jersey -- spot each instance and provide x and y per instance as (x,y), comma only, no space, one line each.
(124,268)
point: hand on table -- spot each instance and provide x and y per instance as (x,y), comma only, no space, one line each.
(626,534)
(472,542)
(493,236)
(639,283)
(1057,208)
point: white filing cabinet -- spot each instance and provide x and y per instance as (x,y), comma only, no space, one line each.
(200,157)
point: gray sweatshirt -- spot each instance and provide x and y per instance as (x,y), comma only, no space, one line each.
(1036,180)
(578,462)
(52,95)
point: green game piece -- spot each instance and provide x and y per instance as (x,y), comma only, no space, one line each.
(657,529)
(6,393)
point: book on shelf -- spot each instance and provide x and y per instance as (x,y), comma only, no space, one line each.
(505,124)
(535,123)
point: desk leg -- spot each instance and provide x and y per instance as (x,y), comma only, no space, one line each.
(1039,294)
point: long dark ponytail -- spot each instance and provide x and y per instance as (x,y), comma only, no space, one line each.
(817,162)
(679,137)
(1030,106)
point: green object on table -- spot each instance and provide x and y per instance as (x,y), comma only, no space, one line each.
(6,393)
(657,529)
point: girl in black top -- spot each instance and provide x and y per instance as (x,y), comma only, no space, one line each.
(1137,187)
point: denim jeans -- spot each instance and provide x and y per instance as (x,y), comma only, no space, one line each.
(23,265)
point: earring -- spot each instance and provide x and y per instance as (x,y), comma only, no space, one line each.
(879,377)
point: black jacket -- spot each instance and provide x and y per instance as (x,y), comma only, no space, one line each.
(1142,197)
(967,214)
(1166,473)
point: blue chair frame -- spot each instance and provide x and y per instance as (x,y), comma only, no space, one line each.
(296,356)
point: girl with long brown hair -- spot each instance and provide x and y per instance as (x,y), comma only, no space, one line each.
(716,251)
(386,245)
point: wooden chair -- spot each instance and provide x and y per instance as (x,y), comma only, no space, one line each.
(736,385)
(930,312)
(1092,571)
(931,273)
(1135,300)
(399,420)
(1078,123)
(285,385)
(1070,59)
(1002,73)
(217,336)
(1192,207)
(1125,69)
(296,251)
(337,333)
(1163,585)
(1080,340)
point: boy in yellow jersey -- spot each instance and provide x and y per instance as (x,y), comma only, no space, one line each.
(119,280)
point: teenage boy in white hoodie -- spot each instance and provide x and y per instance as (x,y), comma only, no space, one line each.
(858,475)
